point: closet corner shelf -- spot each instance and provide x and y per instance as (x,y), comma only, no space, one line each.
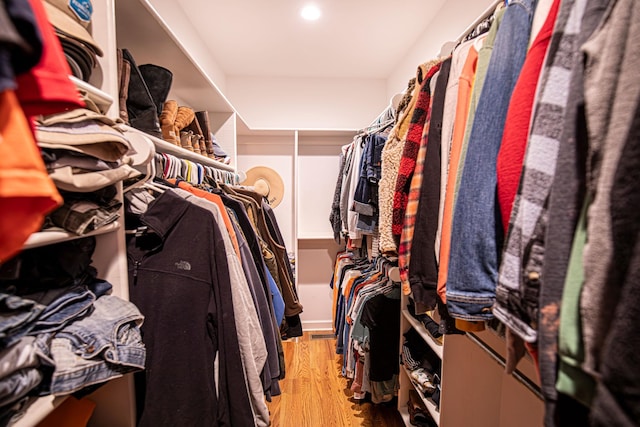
(315,236)
(431,407)
(44,238)
(169,148)
(437,348)
(100,98)
(39,410)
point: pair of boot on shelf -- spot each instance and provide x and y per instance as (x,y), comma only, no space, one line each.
(143,93)
(191,130)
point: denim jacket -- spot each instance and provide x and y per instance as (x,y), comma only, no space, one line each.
(477,233)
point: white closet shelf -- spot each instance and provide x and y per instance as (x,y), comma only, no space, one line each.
(102,99)
(419,327)
(39,410)
(163,146)
(43,238)
(404,413)
(315,236)
(152,39)
(431,407)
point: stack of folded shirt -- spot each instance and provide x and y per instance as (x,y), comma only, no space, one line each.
(85,212)
(86,153)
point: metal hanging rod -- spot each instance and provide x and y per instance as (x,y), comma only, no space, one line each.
(487,13)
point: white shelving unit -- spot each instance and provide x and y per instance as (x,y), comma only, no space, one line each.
(474,388)
(431,407)
(115,403)
(415,324)
(308,161)
(50,237)
(407,321)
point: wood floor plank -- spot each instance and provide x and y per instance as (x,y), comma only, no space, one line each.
(314,394)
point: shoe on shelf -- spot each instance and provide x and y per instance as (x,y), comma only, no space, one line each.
(423,380)
(418,413)
(226,160)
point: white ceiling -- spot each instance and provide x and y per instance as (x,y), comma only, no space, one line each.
(352,39)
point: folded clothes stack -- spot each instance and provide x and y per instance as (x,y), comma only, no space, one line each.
(61,332)
(86,154)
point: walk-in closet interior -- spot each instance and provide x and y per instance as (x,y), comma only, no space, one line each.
(444,192)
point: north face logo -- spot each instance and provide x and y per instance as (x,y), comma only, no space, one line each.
(183,265)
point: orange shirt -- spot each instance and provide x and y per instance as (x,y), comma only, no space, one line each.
(218,201)
(27,194)
(462,111)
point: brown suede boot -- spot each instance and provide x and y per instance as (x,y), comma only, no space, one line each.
(167,120)
(184,116)
(203,120)
(195,142)
(124,72)
(185,140)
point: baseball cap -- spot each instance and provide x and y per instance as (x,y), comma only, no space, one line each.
(73,17)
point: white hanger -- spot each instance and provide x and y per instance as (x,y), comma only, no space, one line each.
(143,157)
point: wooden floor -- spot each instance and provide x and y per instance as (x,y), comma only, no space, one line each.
(314,394)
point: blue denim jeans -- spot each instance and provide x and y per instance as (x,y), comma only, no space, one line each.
(21,370)
(71,305)
(17,316)
(99,347)
(477,233)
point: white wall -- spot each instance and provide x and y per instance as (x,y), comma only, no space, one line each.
(452,19)
(315,263)
(318,169)
(176,19)
(306,103)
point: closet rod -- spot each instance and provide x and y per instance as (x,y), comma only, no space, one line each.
(523,379)
(487,13)
(163,146)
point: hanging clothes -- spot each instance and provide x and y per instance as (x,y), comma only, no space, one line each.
(185,326)
(476,237)
(422,273)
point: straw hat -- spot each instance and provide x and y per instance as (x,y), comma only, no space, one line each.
(267,182)
(73,17)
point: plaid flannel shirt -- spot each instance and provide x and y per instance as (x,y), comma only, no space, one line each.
(410,152)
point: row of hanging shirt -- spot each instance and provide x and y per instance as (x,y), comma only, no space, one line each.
(208,270)
(501,187)
(366,316)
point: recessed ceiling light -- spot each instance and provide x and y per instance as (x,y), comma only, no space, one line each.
(310,12)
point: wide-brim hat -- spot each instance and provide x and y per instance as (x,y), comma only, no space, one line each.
(73,18)
(266,182)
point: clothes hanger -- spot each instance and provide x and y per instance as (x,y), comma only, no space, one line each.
(143,159)
(200,170)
